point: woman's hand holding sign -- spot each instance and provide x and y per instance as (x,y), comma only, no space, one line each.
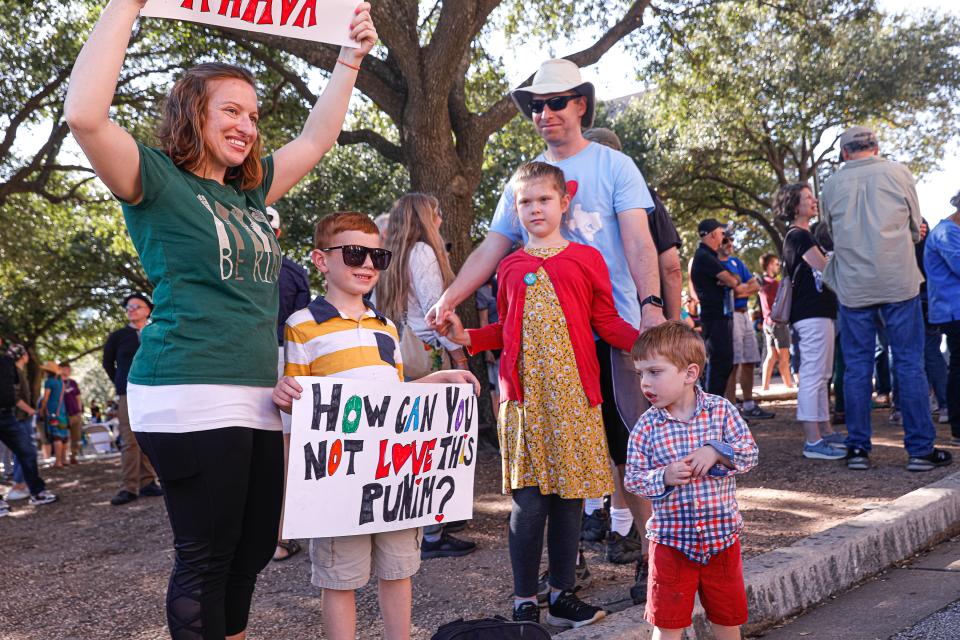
(363,31)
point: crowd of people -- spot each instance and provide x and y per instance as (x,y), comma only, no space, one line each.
(579,288)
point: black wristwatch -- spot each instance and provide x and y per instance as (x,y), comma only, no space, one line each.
(656,301)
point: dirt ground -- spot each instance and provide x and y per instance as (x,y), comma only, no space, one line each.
(84,569)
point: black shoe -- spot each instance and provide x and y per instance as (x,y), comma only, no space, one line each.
(123,497)
(858,459)
(595,526)
(584,578)
(526,612)
(152,490)
(757,413)
(446,547)
(570,611)
(937,458)
(624,549)
(638,592)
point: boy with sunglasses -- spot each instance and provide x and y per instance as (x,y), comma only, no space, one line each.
(343,335)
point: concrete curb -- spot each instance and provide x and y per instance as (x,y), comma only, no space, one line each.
(788,580)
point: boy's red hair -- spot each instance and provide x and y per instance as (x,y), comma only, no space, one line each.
(334,223)
(674,341)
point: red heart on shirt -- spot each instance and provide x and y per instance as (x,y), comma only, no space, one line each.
(439,518)
(572,188)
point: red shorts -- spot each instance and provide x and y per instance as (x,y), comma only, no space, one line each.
(675,580)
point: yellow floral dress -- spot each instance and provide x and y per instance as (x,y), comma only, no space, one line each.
(554,440)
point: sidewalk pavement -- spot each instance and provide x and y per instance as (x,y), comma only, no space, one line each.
(905,602)
(789,580)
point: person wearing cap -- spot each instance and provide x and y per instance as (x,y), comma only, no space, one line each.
(609,208)
(871,209)
(746,351)
(138,477)
(11,433)
(663,232)
(715,287)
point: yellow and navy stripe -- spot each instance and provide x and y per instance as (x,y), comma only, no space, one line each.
(321,341)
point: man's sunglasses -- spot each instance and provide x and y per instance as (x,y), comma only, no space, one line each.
(354,255)
(556,103)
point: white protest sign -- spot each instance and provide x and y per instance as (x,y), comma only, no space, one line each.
(318,20)
(378,456)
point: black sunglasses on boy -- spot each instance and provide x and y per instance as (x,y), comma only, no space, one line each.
(354,255)
(556,103)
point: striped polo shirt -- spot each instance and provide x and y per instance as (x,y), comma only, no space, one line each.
(321,341)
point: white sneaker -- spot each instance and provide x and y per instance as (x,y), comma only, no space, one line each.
(17,494)
(4,509)
(44,497)
(944,417)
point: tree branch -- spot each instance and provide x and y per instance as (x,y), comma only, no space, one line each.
(387,149)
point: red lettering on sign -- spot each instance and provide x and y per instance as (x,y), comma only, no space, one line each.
(425,449)
(234,12)
(204,7)
(311,6)
(265,18)
(286,8)
(383,466)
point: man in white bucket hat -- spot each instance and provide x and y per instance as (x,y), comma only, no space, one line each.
(608,211)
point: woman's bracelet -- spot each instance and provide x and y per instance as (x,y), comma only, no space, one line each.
(347,64)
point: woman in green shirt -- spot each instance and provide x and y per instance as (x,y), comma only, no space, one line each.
(199,389)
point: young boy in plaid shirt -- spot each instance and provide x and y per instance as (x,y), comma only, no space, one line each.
(683,455)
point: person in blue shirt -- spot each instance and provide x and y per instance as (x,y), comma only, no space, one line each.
(941,259)
(746,351)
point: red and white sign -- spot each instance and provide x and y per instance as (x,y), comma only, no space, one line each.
(317,20)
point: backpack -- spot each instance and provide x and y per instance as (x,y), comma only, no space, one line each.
(496,628)
(780,309)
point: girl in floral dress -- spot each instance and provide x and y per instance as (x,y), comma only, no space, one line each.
(553,295)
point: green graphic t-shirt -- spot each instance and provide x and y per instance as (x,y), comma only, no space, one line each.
(214,261)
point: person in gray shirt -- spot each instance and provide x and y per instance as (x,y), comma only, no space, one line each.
(871,208)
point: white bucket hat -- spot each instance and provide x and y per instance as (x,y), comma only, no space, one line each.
(556,76)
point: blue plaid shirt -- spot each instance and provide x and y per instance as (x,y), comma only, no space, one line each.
(699,519)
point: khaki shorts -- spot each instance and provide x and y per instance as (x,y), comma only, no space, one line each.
(345,563)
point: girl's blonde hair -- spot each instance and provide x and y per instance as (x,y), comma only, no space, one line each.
(411,221)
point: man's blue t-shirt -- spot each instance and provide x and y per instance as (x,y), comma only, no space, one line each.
(735,266)
(603,183)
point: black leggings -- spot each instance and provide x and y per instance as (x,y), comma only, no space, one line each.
(223,489)
(531,509)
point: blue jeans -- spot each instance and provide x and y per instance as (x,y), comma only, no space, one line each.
(952,329)
(27,427)
(935,365)
(884,385)
(905,331)
(22,447)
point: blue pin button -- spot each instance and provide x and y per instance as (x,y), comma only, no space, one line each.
(530,279)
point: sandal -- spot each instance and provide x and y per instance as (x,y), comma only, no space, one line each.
(290,547)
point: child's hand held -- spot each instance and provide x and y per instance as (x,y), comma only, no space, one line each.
(677,473)
(702,460)
(286,391)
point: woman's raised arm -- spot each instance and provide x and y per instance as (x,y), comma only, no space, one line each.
(298,157)
(110,149)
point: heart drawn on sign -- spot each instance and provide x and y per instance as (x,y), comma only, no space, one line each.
(418,480)
(400,453)
(572,188)
(439,518)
